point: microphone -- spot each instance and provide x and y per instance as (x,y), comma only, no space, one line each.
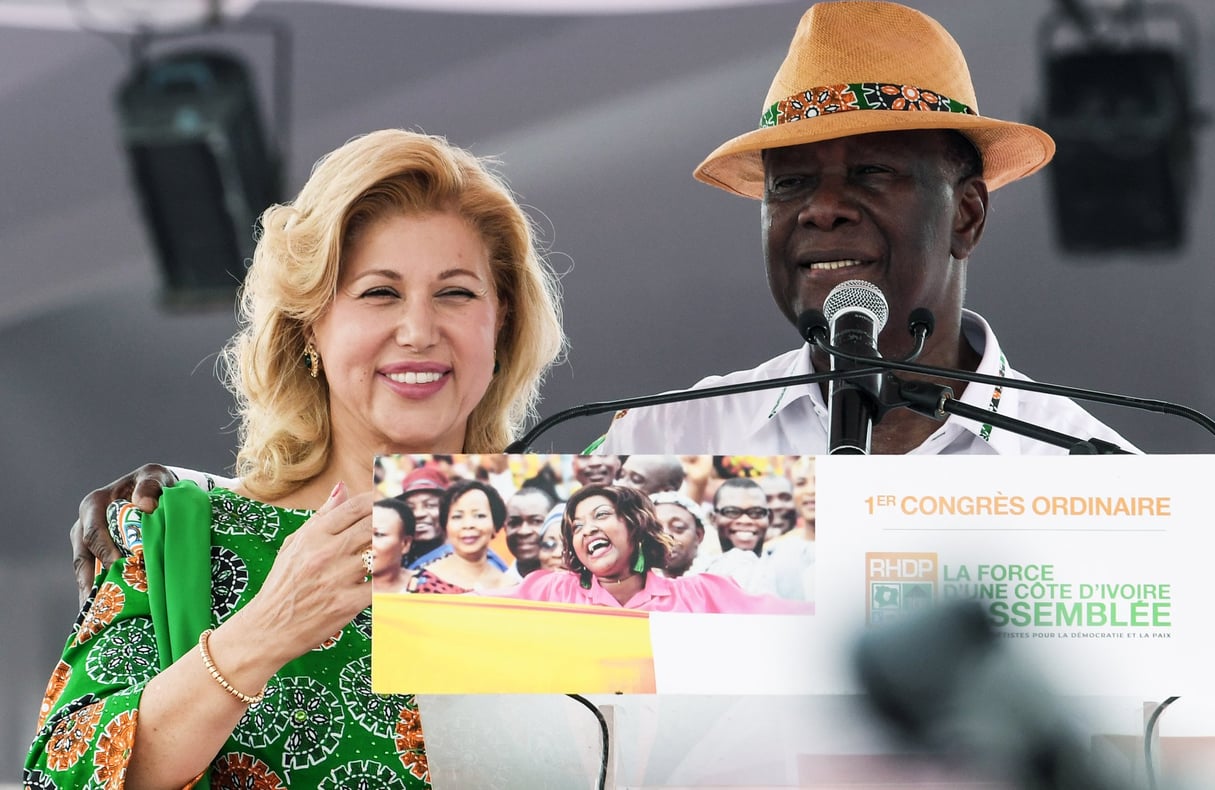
(941,678)
(856,311)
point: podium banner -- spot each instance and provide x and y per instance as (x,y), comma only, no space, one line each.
(1094,569)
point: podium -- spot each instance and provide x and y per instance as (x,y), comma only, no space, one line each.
(1093,571)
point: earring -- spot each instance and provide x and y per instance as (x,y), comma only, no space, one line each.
(312,360)
(584,578)
(639,566)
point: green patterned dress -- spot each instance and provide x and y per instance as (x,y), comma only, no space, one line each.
(203,557)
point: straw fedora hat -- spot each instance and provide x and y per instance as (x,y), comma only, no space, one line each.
(860,67)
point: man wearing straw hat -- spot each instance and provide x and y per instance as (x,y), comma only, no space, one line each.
(872,162)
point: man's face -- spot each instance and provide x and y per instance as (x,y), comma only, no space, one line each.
(888,208)
(779,490)
(805,491)
(597,470)
(648,475)
(425,507)
(524,519)
(741,516)
(682,527)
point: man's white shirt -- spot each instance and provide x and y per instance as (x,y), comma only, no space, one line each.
(794,420)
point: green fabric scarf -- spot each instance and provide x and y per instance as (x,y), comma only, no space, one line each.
(178,563)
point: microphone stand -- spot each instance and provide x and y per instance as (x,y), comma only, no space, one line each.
(932,400)
(1078,393)
(523,444)
(936,401)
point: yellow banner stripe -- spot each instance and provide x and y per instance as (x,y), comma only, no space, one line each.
(469,644)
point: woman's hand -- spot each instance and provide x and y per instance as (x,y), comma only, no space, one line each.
(90,535)
(318,581)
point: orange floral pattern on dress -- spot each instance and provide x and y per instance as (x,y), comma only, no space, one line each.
(71,736)
(417,765)
(246,772)
(114,750)
(135,573)
(409,730)
(54,688)
(410,744)
(105,607)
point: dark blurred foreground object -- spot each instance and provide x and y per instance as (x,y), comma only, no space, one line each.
(941,678)
(1119,102)
(202,166)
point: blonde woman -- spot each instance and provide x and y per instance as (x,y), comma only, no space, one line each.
(397,305)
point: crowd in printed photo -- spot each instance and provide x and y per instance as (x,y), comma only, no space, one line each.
(692,533)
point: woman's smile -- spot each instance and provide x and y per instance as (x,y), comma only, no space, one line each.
(416,379)
(596,547)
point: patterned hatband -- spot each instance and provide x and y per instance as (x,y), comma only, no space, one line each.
(858,96)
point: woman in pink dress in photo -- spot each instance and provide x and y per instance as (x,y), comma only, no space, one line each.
(615,550)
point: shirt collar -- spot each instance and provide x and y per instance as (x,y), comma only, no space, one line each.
(992,362)
(770,403)
(656,587)
(1004,400)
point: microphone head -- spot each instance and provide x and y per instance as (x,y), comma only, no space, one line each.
(811,322)
(857,295)
(922,316)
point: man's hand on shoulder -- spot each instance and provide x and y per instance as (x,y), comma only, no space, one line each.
(90,535)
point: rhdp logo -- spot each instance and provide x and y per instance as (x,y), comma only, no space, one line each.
(899,584)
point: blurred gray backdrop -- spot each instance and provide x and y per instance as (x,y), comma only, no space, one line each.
(599,121)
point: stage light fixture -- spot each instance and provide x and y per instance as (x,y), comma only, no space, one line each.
(202,166)
(1119,104)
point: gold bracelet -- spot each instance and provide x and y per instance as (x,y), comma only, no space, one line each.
(228,687)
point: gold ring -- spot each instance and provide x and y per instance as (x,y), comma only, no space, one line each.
(368,557)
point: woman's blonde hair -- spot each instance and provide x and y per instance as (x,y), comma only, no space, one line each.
(283,411)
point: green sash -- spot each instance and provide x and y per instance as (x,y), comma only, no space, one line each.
(177,556)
